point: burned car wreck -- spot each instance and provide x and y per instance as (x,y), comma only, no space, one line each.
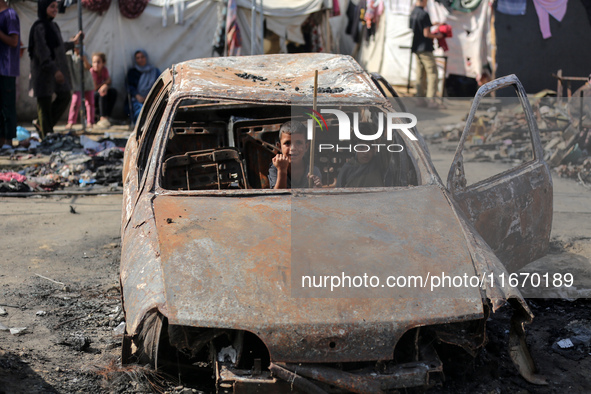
(208,249)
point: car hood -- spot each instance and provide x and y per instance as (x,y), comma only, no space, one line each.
(229,262)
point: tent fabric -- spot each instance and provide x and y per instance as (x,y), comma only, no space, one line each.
(119,37)
(468,49)
(288,9)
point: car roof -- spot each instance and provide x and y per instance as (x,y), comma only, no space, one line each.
(277,78)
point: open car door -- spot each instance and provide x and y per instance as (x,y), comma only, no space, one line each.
(511,210)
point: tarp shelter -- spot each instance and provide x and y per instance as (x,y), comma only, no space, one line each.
(171,31)
(388,51)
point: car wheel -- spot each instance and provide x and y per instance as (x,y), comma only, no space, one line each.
(148,339)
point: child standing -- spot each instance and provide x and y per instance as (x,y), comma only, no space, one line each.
(104,95)
(74,60)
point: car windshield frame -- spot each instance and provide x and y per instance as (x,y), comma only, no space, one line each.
(425,171)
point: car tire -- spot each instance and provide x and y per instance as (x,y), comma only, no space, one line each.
(148,340)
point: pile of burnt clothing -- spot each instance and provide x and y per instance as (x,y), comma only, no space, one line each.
(13,182)
(80,162)
(59,142)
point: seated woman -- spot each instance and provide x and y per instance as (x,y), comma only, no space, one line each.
(140,79)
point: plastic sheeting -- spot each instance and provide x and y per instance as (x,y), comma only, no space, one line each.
(119,37)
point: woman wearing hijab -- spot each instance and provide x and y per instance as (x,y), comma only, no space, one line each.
(49,66)
(140,79)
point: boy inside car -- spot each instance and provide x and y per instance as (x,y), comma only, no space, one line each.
(290,168)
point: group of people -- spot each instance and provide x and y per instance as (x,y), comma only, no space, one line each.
(55,73)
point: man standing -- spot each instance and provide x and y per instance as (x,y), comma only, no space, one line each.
(422,47)
(9,70)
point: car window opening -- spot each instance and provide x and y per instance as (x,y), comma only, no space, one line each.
(214,145)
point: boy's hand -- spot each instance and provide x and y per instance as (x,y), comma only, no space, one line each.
(281,162)
(103,90)
(315,179)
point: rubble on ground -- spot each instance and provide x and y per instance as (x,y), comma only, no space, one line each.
(500,133)
(72,161)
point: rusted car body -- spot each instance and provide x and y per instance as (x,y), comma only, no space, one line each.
(205,267)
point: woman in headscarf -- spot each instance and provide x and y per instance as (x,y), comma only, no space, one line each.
(140,79)
(49,66)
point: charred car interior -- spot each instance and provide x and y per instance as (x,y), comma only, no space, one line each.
(215,145)
(205,267)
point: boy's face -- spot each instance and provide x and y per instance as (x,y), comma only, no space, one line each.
(294,146)
(97,63)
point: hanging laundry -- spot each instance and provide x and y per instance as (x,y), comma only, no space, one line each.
(446,30)
(400,7)
(587,5)
(179,11)
(512,7)
(375,9)
(131,9)
(178,7)
(465,5)
(234,40)
(545,8)
(100,6)
(336,8)
(220,33)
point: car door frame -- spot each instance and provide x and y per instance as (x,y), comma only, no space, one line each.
(511,210)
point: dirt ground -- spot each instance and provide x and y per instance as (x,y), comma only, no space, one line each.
(59,279)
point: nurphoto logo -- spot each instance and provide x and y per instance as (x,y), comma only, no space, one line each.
(344,127)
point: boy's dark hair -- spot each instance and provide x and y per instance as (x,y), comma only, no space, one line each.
(101,55)
(290,127)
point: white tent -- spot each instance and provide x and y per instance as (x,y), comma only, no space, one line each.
(388,51)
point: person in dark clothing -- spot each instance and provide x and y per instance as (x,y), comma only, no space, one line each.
(422,47)
(49,66)
(140,79)
(9,70)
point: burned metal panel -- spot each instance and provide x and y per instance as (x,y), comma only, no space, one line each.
(226,264)
(513,213)
(141,272)
(286,77)
(512,210)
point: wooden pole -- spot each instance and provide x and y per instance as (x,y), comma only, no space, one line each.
(313,145)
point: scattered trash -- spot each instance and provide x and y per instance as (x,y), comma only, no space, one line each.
(72,161)
(3,312)
(565,343)
(120,329)
(18,330)
(51,280)
(77,341)
(41,313)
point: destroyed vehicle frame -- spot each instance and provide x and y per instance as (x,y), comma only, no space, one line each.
(205,270)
